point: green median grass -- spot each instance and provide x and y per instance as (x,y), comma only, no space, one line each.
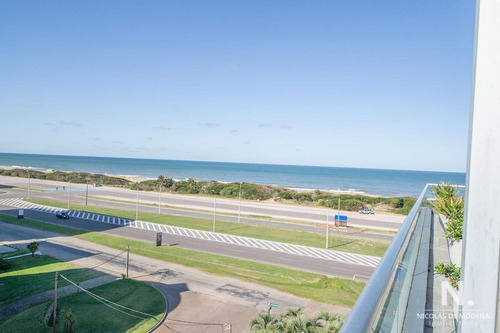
(313,286)
(32,275)
(90,315)
(352,244)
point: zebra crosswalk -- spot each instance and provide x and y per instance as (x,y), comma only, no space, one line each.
(344,257)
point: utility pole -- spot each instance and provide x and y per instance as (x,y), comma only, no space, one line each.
(137,203)
(327,225)
(126,262)
(239,206)
(54,314)
(215,208)
(87,194)
(69,195)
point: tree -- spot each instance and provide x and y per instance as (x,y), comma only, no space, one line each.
(330,322)
(263,322)
(292,322)
(161,180)
(33,247)
(169,182)
(69,320)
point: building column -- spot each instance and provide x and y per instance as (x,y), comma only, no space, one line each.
(479,292)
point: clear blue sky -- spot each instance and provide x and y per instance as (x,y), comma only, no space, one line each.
(370,84)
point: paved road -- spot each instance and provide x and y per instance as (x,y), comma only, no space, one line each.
(318,265)
(307,251)
(272,211)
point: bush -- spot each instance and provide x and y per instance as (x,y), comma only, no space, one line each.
(351,204)
(4,264)
(285,195)
(454,229)
(451,271)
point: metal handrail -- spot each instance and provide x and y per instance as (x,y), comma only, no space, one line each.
(362,316)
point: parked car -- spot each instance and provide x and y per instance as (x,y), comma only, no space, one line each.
(97,184)
(62,215)
(365,211)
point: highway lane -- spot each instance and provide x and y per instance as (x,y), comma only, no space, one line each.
(272,210)
(62,195)
(327,267)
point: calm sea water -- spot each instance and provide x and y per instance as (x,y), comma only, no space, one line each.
(373,181)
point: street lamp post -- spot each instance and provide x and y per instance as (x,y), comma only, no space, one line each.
(87,194)
(29,185)
(69,195)
(159,201)
(327,224)
(137,202)
(239,205)
(215,208)
(338,214)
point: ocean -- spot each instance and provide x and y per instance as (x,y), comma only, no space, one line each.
(381,182)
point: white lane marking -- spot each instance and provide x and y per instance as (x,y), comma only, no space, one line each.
(351,258)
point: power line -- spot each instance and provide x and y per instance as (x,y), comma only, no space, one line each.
(108,302)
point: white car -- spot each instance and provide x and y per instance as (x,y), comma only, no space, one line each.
(366,211)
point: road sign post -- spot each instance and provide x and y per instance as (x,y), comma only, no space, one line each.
(271,305)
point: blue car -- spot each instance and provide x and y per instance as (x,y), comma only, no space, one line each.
(62,215)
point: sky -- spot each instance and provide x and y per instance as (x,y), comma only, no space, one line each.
(366,84)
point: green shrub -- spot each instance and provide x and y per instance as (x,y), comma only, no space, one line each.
(285,195)
(351,204)
(445,191)
(454,229)
(4,264)
(451,272)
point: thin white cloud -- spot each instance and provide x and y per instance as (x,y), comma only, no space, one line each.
(72,123)
(209,124)
(163,128)
(287,126)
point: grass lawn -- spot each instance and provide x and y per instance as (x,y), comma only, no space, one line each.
(318,287)
(12,254)
(92,316)
(338,242)
(32,275)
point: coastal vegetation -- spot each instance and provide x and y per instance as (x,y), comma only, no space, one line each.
(248,191)
(337,241)
(318,287)
(73,177)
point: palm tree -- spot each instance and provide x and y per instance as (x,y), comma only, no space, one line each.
(263,322)
(292,312)
(161,180)
(292,322)
(299,325)
(330,322)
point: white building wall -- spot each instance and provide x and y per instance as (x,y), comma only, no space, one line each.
(481,260)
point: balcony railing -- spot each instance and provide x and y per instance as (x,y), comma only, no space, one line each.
(395,299)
